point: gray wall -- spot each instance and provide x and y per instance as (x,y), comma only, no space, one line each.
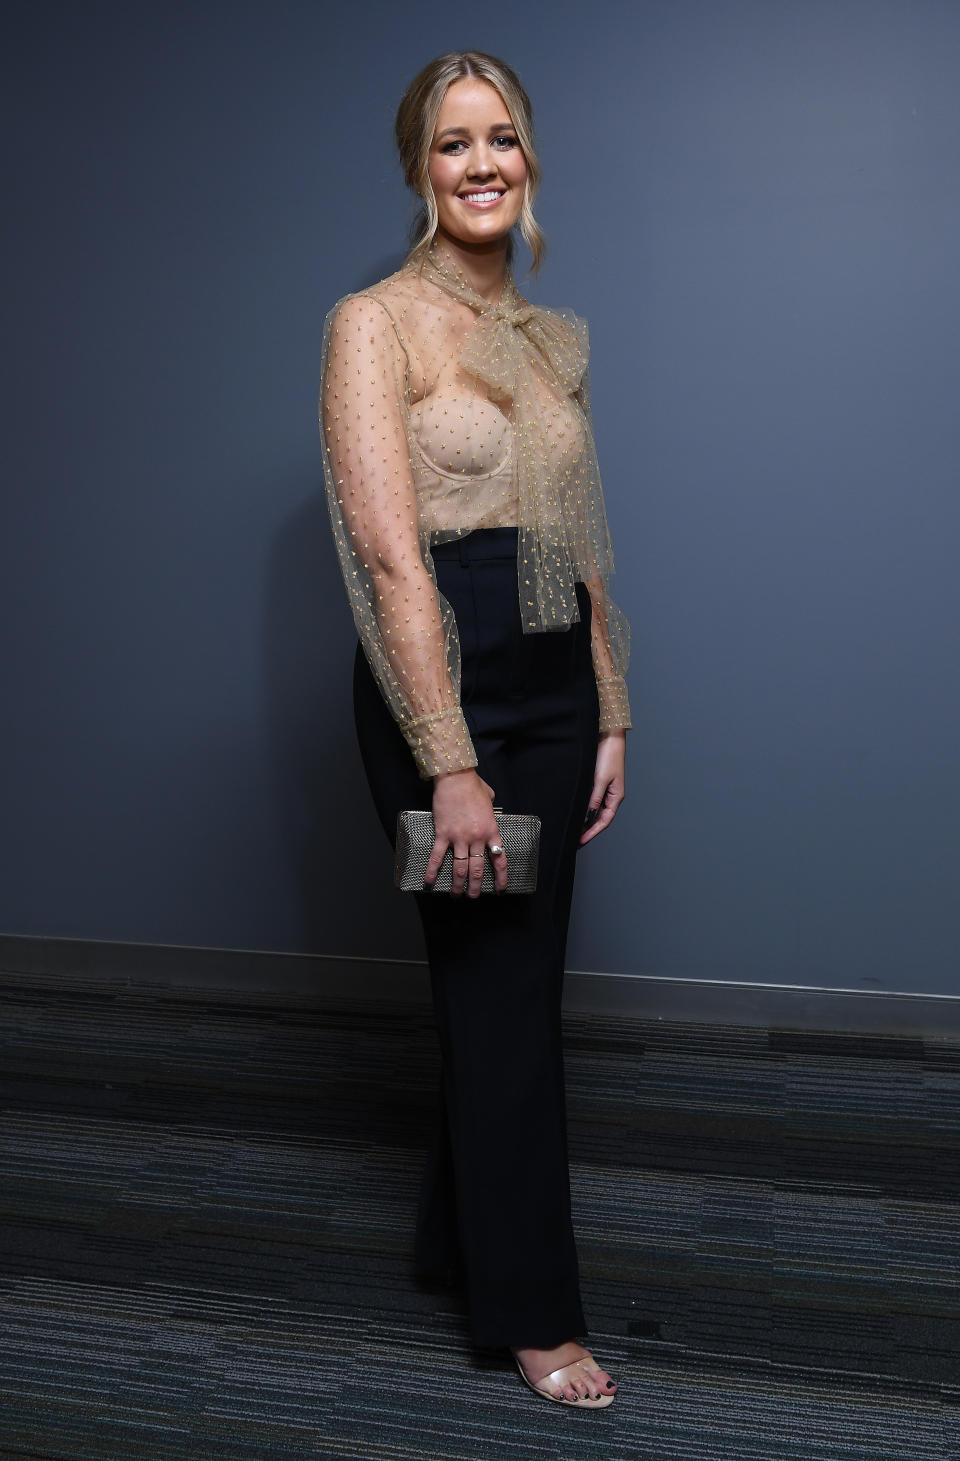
(756,206)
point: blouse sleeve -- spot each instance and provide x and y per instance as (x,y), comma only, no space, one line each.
(407,629)
(610,636)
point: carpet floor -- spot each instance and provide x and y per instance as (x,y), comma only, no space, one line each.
(208,1199)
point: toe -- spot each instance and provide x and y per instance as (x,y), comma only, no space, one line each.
(576,1385)
(600,1381)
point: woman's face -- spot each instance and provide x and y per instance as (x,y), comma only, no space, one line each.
(476,165)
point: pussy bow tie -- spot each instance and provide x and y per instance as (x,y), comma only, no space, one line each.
(509,336)
(536,360)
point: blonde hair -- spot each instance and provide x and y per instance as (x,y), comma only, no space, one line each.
(417,121)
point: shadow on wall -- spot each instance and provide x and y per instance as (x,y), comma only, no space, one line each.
(339,861)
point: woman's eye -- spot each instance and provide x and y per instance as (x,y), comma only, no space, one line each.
(457,144)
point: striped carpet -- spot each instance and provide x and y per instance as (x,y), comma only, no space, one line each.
(208,1196)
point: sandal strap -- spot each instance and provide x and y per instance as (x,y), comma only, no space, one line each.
(557,1377)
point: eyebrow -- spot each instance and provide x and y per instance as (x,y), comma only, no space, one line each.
(449,131)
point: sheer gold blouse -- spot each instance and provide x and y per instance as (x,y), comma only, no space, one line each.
(440,414)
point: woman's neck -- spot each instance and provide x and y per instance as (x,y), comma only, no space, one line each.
(483,266)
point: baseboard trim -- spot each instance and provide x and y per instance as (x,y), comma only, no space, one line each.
(638,996)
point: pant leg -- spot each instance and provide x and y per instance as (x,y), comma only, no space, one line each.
(396,786)
(497,965)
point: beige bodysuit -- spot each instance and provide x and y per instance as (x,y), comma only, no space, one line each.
(441,414)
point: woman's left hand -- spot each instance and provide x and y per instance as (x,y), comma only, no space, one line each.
(608,783)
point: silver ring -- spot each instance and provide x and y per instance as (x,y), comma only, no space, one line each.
(496,850)
(461,859)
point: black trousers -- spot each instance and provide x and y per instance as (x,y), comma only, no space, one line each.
(496,1196)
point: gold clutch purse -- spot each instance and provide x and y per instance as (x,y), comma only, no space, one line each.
(519,837)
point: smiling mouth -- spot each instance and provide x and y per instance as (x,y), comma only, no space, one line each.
(486,199)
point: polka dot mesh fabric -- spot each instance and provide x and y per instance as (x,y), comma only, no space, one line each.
(440,414)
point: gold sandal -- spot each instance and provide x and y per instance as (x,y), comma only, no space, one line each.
(558,1378)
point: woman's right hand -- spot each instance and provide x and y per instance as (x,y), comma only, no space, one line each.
(463,819)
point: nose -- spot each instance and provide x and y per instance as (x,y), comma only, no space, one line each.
(483,163)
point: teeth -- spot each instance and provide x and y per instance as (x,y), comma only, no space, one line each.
(481,197)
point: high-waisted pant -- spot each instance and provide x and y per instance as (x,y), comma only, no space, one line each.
(495,1203)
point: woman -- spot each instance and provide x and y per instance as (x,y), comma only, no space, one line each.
(469,520)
